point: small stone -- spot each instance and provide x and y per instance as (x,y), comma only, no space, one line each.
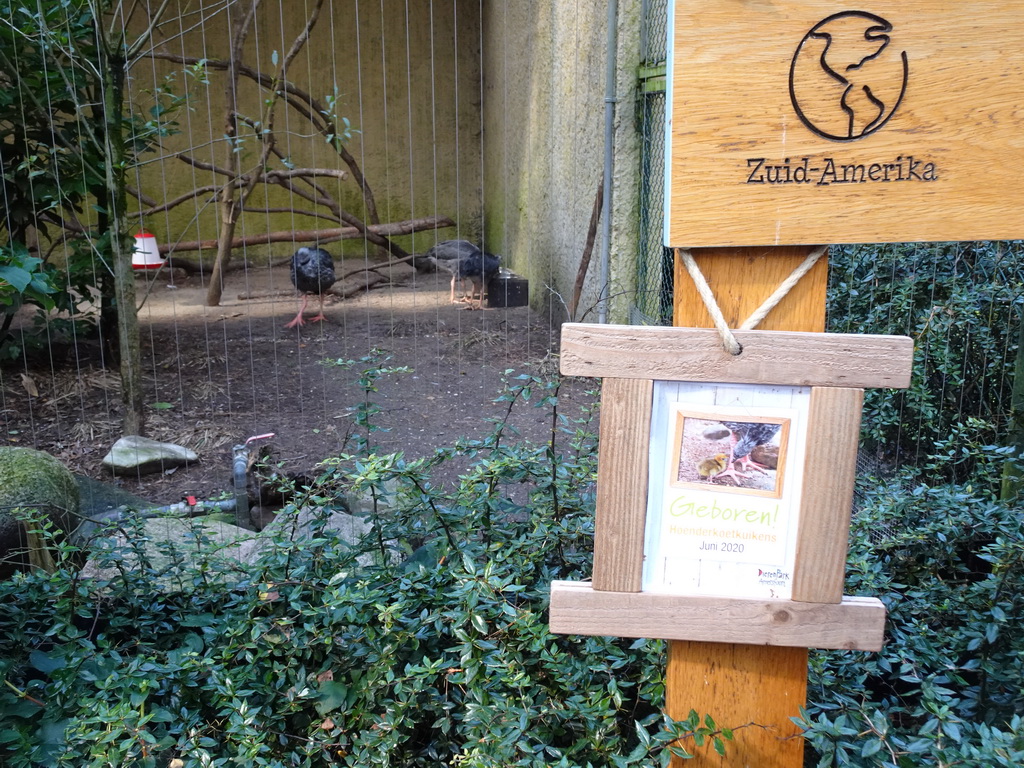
(766,455)
(717,432)
(134,455)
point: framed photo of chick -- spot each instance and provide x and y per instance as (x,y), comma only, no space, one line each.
(684,548)
(736,452)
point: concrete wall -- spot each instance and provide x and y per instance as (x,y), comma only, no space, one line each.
(408,78)
(543,145)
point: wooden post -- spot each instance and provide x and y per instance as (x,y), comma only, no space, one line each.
(741,684)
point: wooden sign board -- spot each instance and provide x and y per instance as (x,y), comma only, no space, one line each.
(806,122)
(665,391)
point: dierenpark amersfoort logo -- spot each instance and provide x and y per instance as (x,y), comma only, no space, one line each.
(848,77)
(846,81)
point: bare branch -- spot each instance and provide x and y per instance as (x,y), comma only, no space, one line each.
(293,211)
(299,100)
(319,235)
(190,195)
(141,196)
(203,166)
(274,175)
(142,40)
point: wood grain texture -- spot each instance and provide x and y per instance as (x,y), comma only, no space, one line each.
(743,683)
(768,357)
(960,111)
(829,474)
(856,623)
(625,434)
(742,278)
(759,687)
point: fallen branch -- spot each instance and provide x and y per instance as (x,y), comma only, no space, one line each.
(371,280)
(317,235)
(266,295)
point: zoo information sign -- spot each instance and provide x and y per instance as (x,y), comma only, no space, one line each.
(806,122)
(724,551)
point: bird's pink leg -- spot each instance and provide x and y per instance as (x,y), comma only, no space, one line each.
(298,318)
(748,463)
(319,317)
(730,470)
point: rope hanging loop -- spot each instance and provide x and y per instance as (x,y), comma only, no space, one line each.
(729,340)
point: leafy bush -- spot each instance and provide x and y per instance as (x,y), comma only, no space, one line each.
(948,562)
(932,540)
(437,654)
(426,642)
(24,279)
(961,303)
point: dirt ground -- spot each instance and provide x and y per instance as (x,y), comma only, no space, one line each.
(216,376)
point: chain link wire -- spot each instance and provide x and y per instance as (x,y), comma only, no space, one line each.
(654,268)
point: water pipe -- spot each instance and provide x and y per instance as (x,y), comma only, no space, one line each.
(609,157)
(240,475)
(189,508)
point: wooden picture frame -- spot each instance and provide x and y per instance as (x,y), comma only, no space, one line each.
(631,359)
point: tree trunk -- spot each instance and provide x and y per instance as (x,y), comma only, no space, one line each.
(228,202)
(113,69)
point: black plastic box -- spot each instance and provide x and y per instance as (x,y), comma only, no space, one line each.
(508,289)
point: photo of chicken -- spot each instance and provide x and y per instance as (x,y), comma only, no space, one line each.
(739,455)
(745,437)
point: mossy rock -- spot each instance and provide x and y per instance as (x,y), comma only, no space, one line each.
(29,480)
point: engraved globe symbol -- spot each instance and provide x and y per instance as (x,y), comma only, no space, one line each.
(847,78)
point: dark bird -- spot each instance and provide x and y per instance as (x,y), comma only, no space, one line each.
(746,436)
(312,272)
(465,262)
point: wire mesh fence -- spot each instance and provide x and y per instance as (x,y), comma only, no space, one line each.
(374,129)
(653,302)
(252,129)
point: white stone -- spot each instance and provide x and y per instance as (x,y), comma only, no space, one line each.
(136,455)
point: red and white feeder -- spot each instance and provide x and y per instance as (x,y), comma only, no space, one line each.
(147,252)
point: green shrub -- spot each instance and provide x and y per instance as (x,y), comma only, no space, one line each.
(437,655)
(948,562)
(961,303)
(438,652)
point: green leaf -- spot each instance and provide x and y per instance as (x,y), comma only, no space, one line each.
(46,663)
(871,747)
(16,277)
(332,696)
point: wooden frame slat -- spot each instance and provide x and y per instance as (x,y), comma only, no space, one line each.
(857,623)
(768,357)
(625,434)
(827,499)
